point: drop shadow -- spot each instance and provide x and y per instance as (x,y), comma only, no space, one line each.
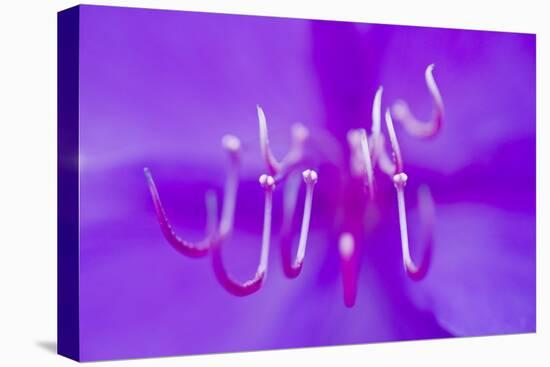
(48,345)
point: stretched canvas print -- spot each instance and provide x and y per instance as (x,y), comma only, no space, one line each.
(235,183)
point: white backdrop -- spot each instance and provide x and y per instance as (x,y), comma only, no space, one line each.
(28,181)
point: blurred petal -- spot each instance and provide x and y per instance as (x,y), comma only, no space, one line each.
(482,279)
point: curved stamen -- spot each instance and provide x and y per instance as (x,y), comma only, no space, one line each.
(400,181)
(188,248)
(299,135)
(368,162)
(248,287)
(346,247)
(292,270)
(201,248)
(413,126)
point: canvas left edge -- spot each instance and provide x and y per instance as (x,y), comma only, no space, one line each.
(68,253)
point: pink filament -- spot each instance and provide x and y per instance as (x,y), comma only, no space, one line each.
(400,180)
(403,114)
(427,211)
(293,269)
(187,248)
(251,286)
(280,169)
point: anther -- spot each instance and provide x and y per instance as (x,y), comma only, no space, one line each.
(310,177)
(267,182)
(400,179)
(413,126)
(231,143)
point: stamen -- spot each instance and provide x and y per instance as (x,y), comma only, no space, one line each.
(413,126)
(191,249)
(253,285)
(299,133)
(292,270)
(346,247)
(368,163)
(400,181)
(201,248)
(427,213)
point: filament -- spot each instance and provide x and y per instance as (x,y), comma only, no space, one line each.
(273,165)
(378,142)
(232,145)
(201,248)
(394,143)
(413,126)
(299,133)
(252,285)
(400,180)
(357,166)
(384,161)
(293,269)
(188,248)
(376,108)
(368,163)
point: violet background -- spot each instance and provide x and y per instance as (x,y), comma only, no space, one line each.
(160,88)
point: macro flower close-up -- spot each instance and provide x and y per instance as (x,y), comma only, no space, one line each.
(255,183)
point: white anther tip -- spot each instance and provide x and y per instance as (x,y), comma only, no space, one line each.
(400,108)
(346,245)
(267,181)
(299,132)
(310,176)
(400,179)
(354,137)
(231,143)
(261,114)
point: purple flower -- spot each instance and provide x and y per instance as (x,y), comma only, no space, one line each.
(162,89)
